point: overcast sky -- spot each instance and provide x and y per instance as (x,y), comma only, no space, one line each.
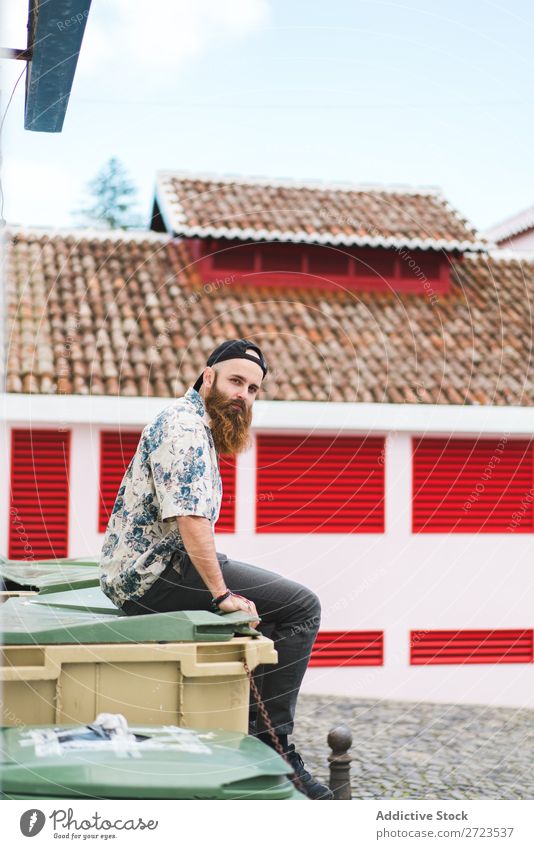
(419,93)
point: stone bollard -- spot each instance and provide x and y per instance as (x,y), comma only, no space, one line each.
(340,741)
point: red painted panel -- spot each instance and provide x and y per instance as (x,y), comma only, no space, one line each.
(282,258)
(369,262)
(348,648)
(226,522)
(421,264)
(468,485)
(116,450)
(503,646)
(236,256)
(328,260)
(39,508)
(319,484)
(279,265)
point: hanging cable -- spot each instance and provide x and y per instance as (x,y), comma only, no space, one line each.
(2,220)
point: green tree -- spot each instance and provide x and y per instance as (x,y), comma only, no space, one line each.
(114,199)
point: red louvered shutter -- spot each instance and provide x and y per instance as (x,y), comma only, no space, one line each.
(116,450)
(226,521)
(39,514)
(319,484)
(467,485)
(506,646)
(348,648)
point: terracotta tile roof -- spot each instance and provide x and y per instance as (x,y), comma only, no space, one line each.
(519,223)
(117,314)
(239,208)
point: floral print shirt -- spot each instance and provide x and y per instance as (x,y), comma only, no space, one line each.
(174,472)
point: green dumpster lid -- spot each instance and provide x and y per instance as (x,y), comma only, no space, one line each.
(31,621)
(86,598)
(149,762)
(51,575)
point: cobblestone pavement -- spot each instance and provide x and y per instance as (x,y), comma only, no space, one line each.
(405,750)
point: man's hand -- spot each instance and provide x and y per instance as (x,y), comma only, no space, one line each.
(239,602)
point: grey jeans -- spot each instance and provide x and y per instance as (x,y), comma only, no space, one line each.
(290,615)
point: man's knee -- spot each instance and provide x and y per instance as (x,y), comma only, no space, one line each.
(315,604)
(311,609)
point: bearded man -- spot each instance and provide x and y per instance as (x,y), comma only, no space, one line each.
(159,551)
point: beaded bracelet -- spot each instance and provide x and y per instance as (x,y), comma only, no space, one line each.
(215,602)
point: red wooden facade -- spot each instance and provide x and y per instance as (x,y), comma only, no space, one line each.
(319,484)
(226,521)
(316,484)
(348,648)
(116,450)
(321,266)
(476,646)
(473,485)
(39,499)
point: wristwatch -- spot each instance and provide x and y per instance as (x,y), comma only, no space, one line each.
(215,602)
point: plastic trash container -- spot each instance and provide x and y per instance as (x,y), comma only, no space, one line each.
(77,762)
(6,596)
(49,575)
(64,661)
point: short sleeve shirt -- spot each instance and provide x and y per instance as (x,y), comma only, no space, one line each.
(174,472)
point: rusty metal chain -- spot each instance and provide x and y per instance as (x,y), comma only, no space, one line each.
(269,726)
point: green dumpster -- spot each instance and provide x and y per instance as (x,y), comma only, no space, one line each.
(88,616)
(49,575)
(77,762)
(71,655)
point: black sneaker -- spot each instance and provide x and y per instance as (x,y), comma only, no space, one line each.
(311,787)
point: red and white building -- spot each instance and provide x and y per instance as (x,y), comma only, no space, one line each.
(392,466)
(515,232)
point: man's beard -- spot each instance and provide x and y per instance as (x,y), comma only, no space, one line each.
(230,427)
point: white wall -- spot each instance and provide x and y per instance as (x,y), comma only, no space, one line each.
(520,242)
(398,582)
(395,582)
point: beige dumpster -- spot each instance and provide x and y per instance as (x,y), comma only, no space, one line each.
(63,665)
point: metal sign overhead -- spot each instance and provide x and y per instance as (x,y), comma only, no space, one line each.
(55,34)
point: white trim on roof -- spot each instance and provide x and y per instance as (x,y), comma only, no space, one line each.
(512,226)
(435,419)
(300,237)
(81,233)
(295,183)
(508,254)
